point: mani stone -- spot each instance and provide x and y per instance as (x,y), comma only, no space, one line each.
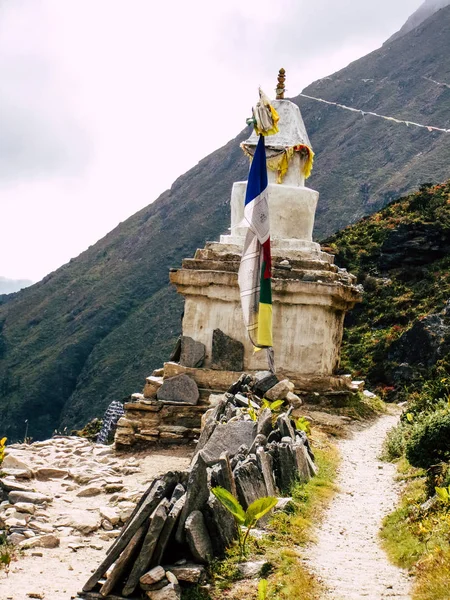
(228,437)
(198,538)
(227,353)
(265,464)
(285,427)
(249,483)
(196,496)
(285,467)
(144,559)
(167,530)
(180,388)
(221,526)
(301,454)
(192,353)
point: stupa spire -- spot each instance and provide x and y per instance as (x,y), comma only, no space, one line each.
(280,84)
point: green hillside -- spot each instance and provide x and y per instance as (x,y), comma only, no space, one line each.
(92,330)
(399,336)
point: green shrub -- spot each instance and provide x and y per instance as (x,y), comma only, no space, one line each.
(394,443)
(429,442)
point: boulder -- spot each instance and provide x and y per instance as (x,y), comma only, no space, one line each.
(46,473)
(301,457)
(32,497)
(197,537)
(285,426)
(264,425)
(152,385)
(265,465)
(265,383)
(12,462)
(82,521)
(41,541)
(180,388)
(153,576)
(227,353)
(280,390)
(25,507)
(17,473)
(110,514)
(169,592)
(250,569)
(89,491)
(192,353)
(294,400)
(188,572)
(168,529)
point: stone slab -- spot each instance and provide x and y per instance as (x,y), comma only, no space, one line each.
(180,388)
(227,353)
(228,437)
(198,538)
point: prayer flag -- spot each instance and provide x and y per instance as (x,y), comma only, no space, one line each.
(255,268)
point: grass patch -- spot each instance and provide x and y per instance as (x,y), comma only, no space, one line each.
(419,540)
(8,553)
(282,546)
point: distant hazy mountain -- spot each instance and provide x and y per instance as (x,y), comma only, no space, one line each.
(425,10)
(95,328)
(7,286)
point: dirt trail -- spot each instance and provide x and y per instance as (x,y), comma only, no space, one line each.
(347,556)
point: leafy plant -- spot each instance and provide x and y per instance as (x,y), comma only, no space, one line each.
(443,494)
(274,406)
(2,449)
(262,589)
(429,443)
(302,424)
(249,518)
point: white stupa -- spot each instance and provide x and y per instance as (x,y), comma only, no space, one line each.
(310,294)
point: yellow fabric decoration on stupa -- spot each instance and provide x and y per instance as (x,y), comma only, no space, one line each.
(265,116)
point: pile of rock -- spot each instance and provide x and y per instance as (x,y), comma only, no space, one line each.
(170,408)
(243,447)
(57,490)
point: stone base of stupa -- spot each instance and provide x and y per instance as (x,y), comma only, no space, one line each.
(151,422)
(310,298)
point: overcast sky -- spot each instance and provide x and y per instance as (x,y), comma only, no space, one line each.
(103,103)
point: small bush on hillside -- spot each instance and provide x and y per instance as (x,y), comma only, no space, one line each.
(429,442)
(395,441)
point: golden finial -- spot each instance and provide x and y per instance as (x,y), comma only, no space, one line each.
(280,85)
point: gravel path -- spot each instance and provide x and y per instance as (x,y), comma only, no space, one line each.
(59,573)
(347,556)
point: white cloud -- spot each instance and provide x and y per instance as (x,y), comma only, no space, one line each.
(109,101)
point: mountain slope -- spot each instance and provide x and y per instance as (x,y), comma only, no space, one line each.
(424,12)
(92,330)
